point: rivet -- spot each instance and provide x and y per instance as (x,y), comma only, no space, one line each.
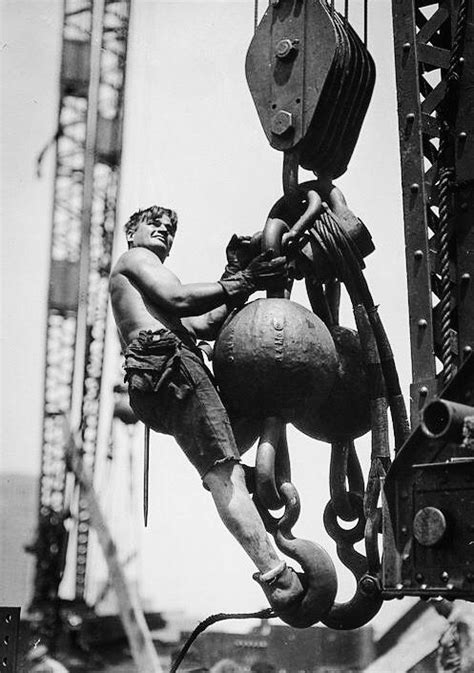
(418,254)
(450,587)
(423,391)
(410,117)
(464,206)
(444,576)
(404,530)
(424,586)
(466,277)
(467,349)
(462,136)
(461,60)
(406,46)
(419,577)
(414,188)
(277,324)
(422,323)
(399,587)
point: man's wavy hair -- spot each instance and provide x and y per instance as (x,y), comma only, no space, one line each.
(154,212)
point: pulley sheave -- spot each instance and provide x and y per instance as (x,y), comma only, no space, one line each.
(311,78)
(288,62)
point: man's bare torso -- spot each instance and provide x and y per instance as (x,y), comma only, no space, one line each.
(133,311)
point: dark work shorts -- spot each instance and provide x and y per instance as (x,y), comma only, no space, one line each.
(172,392)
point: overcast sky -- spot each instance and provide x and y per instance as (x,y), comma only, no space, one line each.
(192,141)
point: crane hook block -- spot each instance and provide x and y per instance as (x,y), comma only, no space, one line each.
(311,79)
(288,62)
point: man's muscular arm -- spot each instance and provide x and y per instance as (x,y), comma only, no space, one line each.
(238,254)
(207,326)
(161,287)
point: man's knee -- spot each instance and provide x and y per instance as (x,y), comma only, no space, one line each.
(224,471)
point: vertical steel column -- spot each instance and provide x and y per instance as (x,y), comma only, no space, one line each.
(424,35)
(464,195)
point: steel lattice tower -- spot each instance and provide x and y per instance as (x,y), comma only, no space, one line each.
(87,177)
(434,62)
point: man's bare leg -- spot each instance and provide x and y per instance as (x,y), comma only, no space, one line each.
(282,586)
(226,481)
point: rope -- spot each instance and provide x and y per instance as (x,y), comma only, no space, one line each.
(268,613)
(344,257)
(446,177)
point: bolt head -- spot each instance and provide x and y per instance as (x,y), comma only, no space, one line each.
(368,585)
(285,48)
(282,122)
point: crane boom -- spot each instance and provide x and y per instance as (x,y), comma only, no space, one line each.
(86,186)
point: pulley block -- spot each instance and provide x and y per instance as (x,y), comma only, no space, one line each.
(311,79)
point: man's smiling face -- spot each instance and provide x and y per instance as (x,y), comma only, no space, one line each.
(156,234)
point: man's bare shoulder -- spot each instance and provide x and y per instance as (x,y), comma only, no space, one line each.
(133,257)
(136,262)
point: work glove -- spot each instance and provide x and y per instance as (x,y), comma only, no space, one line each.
(239,254)
(264,272)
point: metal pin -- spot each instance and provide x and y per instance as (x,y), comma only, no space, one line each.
(146,464)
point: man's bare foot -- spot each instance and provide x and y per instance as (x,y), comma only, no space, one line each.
(283,588)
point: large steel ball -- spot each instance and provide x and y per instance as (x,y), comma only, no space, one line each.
(270,356)
(345,414)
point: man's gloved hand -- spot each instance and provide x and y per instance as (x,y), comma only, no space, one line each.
(239,254)
(264,272)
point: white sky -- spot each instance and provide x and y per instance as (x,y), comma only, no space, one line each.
(192,141)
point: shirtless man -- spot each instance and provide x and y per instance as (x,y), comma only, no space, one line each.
(170,388)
